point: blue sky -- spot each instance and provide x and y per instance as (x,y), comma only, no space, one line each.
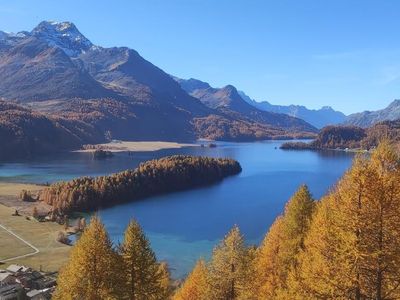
(342,53)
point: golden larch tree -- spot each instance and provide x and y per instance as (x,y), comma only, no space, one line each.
(196,285)
(278,254)
(142,277)
(353,248)
(92,270)
(165,282)
(229,268)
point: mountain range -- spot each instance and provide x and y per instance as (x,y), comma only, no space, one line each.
(316,117)
(369,118)
(54,70)
(229,96)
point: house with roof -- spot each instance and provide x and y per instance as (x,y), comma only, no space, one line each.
(6,278)
(18,269)
(12,292)
(39,294)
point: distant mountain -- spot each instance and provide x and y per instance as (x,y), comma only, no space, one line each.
(316,117)
(56,70)
(369,118)
(229,97)
(229,101)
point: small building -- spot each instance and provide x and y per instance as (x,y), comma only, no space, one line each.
(6,278)
(12,292)
(18,269)
(28,279)
(43,283)
(39,294)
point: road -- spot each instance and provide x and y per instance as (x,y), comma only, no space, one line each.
(36,250)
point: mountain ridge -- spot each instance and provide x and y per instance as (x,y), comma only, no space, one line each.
(322,117)
(216,97)
(368,118)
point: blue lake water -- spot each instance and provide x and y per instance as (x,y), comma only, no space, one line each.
(185,226)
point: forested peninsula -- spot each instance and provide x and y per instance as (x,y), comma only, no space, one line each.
(164,175)
(351,137)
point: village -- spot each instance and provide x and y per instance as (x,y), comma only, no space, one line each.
(20,282)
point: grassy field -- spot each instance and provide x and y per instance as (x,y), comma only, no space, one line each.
(10,246)
(52,254)
(13,189)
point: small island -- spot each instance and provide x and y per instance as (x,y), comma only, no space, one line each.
(164,175)
(102,154)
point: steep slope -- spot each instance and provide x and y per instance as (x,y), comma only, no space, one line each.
(125,71)
(31,70)
(228,101)
(369,118)
(316,117)
(63,35)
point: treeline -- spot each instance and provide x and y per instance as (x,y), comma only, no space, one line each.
(168,174)
(352,137)
(345,246)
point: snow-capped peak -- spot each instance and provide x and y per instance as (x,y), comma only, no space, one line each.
(63,35)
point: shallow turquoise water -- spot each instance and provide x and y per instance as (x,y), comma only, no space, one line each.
(185,226)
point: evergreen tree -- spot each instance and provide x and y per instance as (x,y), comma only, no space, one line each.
(229,268)
(196,285)
(91,271)
(142,276)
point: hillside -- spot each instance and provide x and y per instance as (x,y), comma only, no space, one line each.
(369,118)
(25,133)
(55,69)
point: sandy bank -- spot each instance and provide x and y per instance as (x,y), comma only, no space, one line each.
(121,146)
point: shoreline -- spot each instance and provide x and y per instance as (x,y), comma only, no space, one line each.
(349,150)
(135,146)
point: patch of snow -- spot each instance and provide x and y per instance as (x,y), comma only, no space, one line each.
(63,35)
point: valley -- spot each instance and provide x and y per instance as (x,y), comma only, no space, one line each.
(123,176)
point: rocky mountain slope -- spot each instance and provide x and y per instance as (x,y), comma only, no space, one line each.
(369,118)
